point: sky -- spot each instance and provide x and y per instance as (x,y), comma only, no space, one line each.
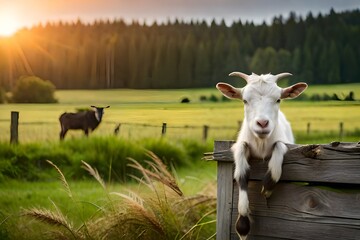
(15,14)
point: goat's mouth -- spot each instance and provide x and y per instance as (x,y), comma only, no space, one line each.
(262,133)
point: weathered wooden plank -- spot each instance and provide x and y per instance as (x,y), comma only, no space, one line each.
(301,212)
(330,163)
(297,211)
(224,203)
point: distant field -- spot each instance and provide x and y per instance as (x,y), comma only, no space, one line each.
(133,108)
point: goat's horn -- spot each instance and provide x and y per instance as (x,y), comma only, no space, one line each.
(282,75)
(239,74)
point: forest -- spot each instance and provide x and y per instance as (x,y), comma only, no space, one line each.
(108,54)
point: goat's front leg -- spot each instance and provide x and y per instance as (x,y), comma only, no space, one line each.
(274,169)
(241,174)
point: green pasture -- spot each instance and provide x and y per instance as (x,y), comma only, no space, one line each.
(91,202)
(142,113)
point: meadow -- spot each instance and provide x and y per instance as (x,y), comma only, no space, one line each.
(141,114)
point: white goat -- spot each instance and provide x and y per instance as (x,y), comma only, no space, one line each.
(263,134)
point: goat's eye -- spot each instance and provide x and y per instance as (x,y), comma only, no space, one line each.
(244,101)
(279,100)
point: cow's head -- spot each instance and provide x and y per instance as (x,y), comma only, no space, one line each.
(99,112)
(261,97)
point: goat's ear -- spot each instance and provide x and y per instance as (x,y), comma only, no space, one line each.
(229,91)
(293,91)
(107,107)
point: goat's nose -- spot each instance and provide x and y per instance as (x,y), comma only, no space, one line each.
(262,123)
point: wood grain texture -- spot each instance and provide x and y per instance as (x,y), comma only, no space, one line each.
(224,204)
(307,203)
(302,212)
(327,163)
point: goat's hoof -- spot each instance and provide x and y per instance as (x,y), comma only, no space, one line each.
(266,193)
(242,226)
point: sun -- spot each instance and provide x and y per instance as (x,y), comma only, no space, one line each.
(9,24)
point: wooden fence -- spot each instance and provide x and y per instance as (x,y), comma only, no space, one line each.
(318,196)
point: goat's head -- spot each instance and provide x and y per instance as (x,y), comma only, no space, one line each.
(99,112)
(261,97)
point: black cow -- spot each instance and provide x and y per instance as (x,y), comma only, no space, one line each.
(84,120)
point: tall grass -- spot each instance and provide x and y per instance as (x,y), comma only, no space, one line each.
(158,210)
(107,154)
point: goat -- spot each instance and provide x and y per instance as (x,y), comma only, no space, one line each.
(263,134)
(83,120)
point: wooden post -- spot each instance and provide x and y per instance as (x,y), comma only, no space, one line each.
(294,211)
(14,126)
(225,193)
(163,129)
(205,132)
(341,132)
(308,128)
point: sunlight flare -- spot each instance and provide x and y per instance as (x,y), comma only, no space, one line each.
(9,23)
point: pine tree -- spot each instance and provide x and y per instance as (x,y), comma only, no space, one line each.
(349,68)
(202,73)
(187,61)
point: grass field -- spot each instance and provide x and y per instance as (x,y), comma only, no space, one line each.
(142,113)
(90,201)
(133,108)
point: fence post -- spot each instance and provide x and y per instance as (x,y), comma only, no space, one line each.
(14,126)
(225,192)
(308,128)
(163,129)
(117,129)
(205,132)
(341,133)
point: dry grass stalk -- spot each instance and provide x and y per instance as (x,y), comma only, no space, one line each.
(62,179)
(160,174)
(156,216)
(93,172)
(49,217)
(138,214)
(132,196)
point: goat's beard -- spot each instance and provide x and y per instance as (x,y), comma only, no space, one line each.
(263,134)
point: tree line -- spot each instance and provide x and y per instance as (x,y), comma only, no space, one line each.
(322,49)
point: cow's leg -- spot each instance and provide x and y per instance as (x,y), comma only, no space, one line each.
(62,133)
(274,169)
(241,175)
(86,131)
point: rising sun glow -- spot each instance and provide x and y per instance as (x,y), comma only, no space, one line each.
(9,24)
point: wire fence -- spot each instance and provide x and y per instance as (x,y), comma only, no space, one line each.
(49,131)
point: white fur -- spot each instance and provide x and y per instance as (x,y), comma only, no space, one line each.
(241,154)
(261,98)
(243,204)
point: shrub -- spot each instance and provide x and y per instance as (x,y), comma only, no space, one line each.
(185,100)
(31,89)
(203,98)
(350,97)
(213,98)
